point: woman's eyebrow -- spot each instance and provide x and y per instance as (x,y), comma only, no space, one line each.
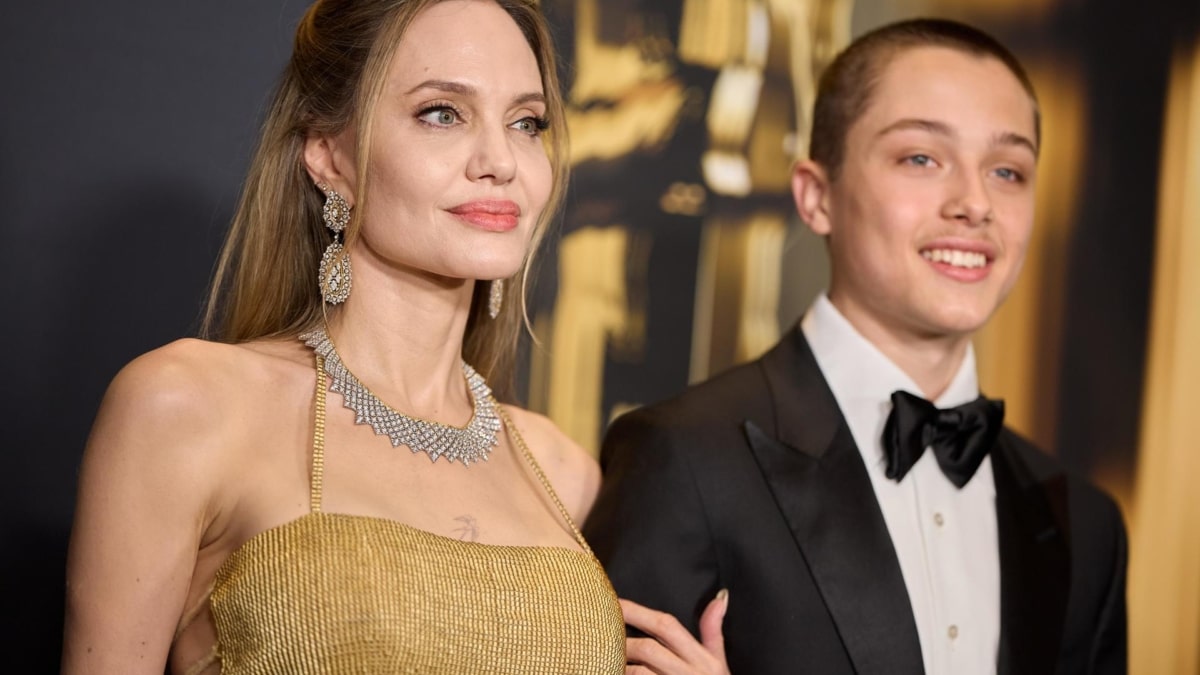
(464,89)
(446,86)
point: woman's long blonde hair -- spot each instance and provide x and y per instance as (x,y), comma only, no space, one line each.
(265,283)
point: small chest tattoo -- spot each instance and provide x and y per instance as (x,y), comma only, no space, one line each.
(468,529)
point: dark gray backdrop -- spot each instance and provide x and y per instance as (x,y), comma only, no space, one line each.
(125,130)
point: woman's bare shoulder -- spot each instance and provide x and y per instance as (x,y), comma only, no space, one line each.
(191,390)
(196,366)
(178,383)
(570,468)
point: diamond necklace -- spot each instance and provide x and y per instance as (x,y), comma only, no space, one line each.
(471,443)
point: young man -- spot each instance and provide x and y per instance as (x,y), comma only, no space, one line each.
(853,493)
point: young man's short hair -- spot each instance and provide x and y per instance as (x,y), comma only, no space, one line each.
(846,86)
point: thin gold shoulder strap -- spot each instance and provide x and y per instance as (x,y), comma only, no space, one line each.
(537,470)
(318,449)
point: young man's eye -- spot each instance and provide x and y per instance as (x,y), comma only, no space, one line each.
(919,160)
(440,116)
(1010,175)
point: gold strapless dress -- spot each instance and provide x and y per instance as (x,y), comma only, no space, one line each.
(333,593)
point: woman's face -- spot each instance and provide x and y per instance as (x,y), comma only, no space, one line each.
(457,174)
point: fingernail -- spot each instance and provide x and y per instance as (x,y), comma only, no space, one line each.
(723,595)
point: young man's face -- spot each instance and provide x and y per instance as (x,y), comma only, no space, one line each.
(930,216)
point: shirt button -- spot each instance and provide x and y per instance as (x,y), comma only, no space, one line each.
(952,632)
(938,519)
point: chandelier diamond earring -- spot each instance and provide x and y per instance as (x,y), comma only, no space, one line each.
(495,298)
(333,275)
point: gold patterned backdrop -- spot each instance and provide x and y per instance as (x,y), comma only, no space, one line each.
(681,254)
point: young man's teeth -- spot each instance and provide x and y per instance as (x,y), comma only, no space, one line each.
(955,258)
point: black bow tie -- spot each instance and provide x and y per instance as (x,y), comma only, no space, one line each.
(960,437)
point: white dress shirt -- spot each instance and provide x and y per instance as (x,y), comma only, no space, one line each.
(945,538)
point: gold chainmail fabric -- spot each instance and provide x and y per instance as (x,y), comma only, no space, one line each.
(330,593)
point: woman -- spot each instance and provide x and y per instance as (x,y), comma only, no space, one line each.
(234,515)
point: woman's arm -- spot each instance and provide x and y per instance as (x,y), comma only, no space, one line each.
(143,502)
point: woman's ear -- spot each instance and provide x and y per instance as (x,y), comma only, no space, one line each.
(810,191)
(329,160)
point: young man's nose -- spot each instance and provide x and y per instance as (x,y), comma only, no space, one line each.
(968,201)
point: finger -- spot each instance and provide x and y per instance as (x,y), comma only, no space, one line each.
(639,669)
(653,656)
(711,635)
(668,631)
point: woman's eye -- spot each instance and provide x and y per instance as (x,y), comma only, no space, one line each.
(530,125)
(441,116)
(919,160)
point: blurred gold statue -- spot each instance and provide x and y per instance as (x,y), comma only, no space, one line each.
(685,118)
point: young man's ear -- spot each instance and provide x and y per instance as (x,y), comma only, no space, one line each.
(328,162)
(810,190)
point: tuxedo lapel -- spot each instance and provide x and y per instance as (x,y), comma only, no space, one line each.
(1035,565)
(818,479)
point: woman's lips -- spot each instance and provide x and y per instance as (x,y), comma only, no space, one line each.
(490,215)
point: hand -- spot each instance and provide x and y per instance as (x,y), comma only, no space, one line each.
(671,649)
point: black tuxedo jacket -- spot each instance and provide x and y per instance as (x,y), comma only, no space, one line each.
(752,482)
